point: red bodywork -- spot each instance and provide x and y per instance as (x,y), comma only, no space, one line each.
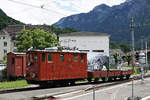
(16,64)
(46,65)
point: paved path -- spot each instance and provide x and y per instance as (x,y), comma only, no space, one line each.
(118,92)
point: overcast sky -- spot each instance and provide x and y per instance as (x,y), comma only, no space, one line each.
(49,11)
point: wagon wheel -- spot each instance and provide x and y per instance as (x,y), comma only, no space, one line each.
(115,78)
(108,79)
(103,79)
(96,80)
(89,80)
(121,77)
(127,77)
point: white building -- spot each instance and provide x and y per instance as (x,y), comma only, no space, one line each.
(86,41)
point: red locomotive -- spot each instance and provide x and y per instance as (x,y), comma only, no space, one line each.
(64,68)
(16,65)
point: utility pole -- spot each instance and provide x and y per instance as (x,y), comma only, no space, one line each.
(132,25)
(133,62)
(146,55)
(93,92)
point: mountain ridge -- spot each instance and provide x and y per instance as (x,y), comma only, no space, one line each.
(113,20)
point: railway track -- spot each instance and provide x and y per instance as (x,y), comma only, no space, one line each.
(56,92)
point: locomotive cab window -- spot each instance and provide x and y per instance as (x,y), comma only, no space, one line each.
(62,57)
(49,57)
(75,57)
(35,58)
(82,57)
(43,57)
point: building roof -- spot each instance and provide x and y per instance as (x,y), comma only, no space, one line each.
(112,51)
(85,34)
(15,29)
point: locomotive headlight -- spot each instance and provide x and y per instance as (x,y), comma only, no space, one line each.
(33,75)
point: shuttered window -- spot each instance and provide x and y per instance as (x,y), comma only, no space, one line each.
(75,57)
(82,57)
(43,57)
(49,57)
(62,57)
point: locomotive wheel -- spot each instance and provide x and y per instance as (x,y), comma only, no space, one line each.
(72,83)
(43,85)
(64,83)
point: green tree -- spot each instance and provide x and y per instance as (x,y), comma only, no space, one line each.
(62,30)
(5,60)
(113,45)
(116,57)
(128,59)
(38,39)
(124,47)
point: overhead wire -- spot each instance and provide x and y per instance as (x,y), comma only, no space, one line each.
(35,6)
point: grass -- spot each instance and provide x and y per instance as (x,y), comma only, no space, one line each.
(136,69)
(13,84)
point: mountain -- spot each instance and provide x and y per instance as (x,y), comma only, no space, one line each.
(113,20)
(5,20)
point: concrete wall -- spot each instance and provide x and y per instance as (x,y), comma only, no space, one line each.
(86,42)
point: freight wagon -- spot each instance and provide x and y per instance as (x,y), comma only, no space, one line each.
(16,65)
(64,68)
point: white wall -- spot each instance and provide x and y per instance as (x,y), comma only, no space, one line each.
(2,47)
(86,42)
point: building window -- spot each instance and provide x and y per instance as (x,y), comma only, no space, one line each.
(49,57)
(3,37)
(75,57)
(82,57)
(62,57)
(43,57)
(5,51)
(15,44)
(98,50)
(5,44)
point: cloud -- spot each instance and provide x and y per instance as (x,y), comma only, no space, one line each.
(49,11)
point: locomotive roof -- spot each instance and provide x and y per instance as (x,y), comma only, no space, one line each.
(19,53)
(63,51)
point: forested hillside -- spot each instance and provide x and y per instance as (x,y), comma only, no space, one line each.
(5,20)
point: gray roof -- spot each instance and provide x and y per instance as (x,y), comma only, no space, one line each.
(16,29)
(85,34)
(111,51)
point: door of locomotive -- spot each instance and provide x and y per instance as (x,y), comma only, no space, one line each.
(50,65)
(43,66)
